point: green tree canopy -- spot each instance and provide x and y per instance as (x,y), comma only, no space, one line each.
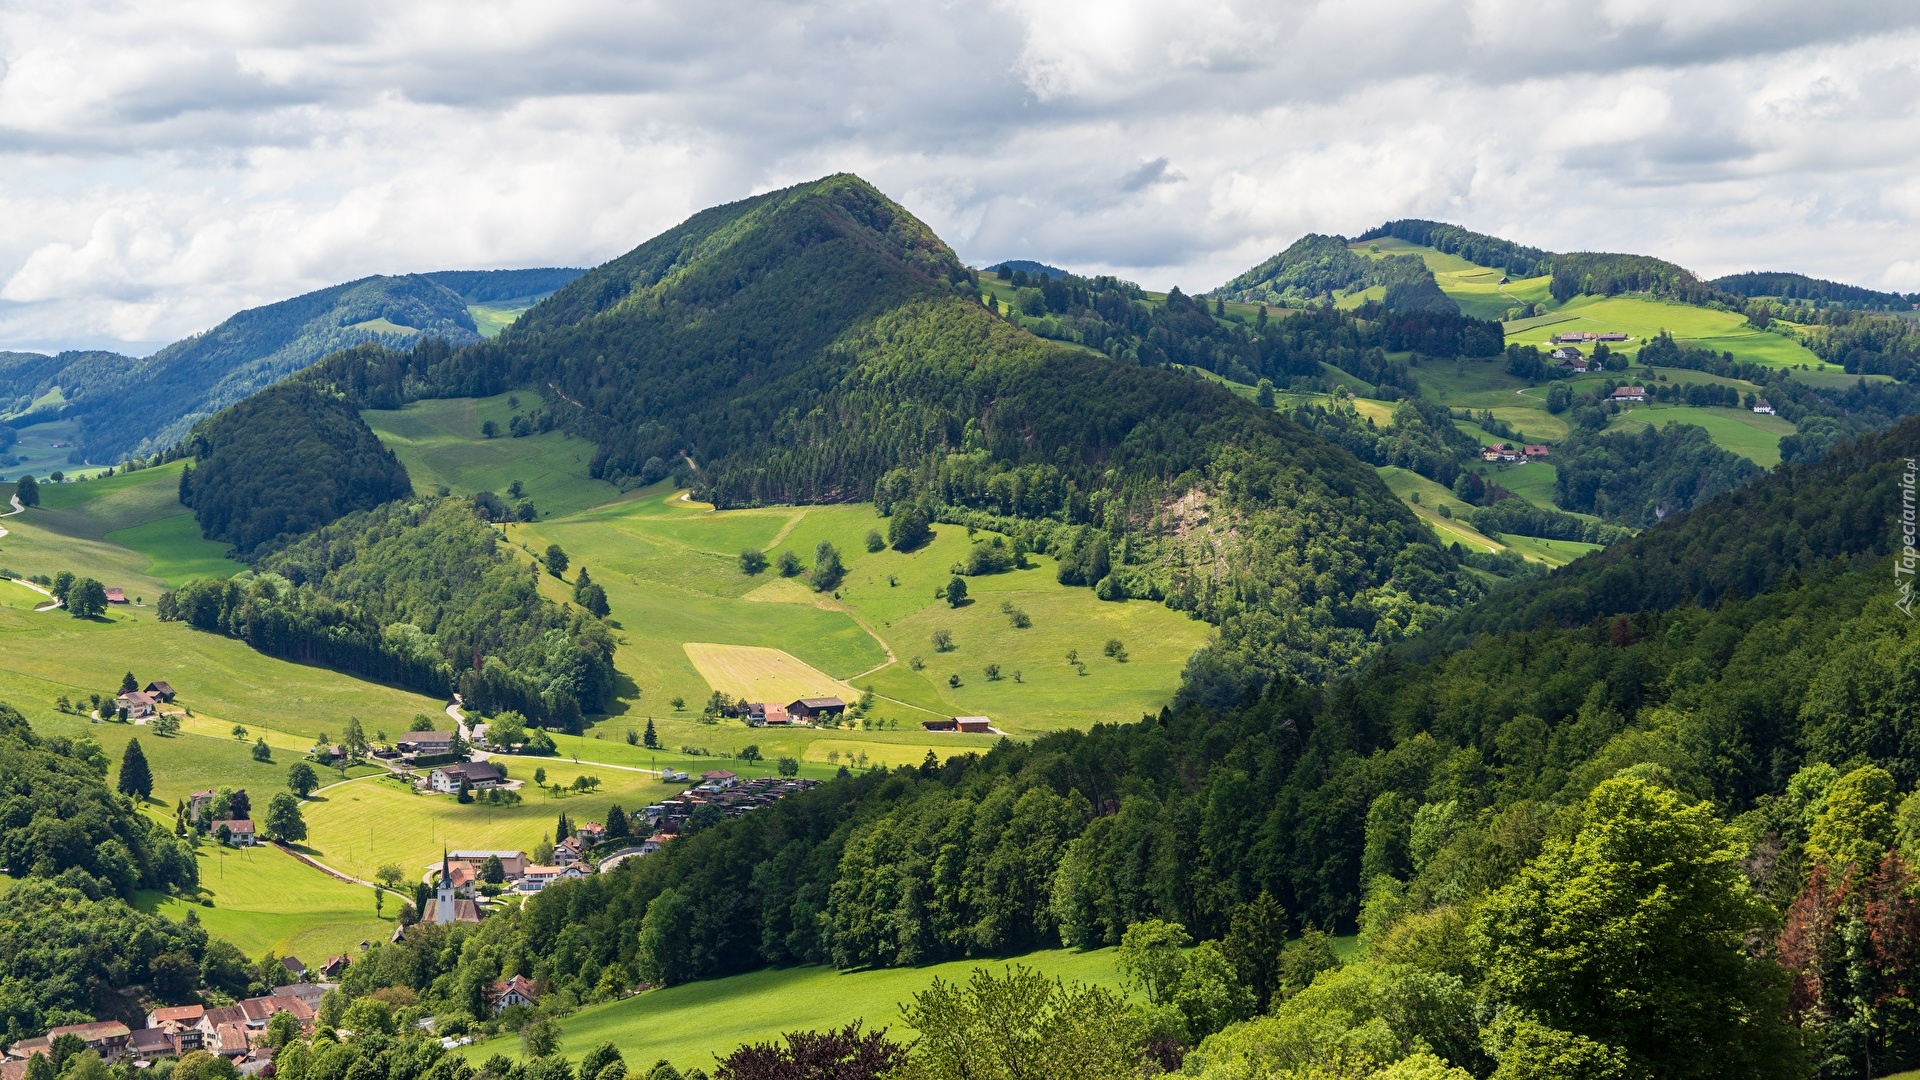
(136,780)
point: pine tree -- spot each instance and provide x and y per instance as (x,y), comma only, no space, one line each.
(651,740)
(136,780)
(128,684)
(562,829)
(616,822)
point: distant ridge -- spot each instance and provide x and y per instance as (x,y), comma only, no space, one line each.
(1027,266)
(1790,286)
(128,406)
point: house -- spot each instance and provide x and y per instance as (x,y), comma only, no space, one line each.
(940,725)
(655,842)
(229,1041)
(199,804)
(539,877)
(478,774)
(335,967)
(569,851)
(159,690)
(426,742)
(762,713)
(812,708)
(512,863)
(1503,280)
(507,993)
(1536,451)
(239,831)
(1762,405)
(176,1014)
(590,832)
(718,777)
(973,725)
(1565,352)
(139,706)
(295,969)
(109,1038)
(1500,452)
(151,1042)
(1629,393)
(116,596)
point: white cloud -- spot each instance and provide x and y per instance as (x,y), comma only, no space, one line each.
(162,165)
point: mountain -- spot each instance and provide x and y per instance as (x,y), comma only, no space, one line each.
(819,344)
(1788,286)
(1316,266)
(1515,260)
(128,406)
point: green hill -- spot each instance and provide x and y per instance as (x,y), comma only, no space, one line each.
(819,344)
(127,406)
(1316,267)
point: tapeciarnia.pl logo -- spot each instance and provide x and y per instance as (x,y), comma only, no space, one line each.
(1909,561)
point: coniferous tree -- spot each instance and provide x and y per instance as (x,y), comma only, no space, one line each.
(650,740)
(136,780)
(616,822)
(128,684)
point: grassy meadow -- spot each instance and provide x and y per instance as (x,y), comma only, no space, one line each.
(694,1023)
(441,445)
(264,899)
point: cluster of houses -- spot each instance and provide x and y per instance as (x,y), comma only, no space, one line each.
(144,704)
(720,788)
(1507,454)
(809,710)
(1577,337)
(235,1032)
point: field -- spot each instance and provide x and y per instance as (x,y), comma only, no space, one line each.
(129,531)
(1475,288)
(692,1024)
(760,674)
(441,445)
(44,447)
(263,899)
(1754,436)
(1551,552)
(1643,317)
(351,826)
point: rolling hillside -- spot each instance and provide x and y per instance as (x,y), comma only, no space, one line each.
(121,406)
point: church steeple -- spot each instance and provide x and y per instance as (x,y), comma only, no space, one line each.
(444,897)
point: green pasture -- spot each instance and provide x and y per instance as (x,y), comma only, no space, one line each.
(51,653)
(176,552)
(362,825)
(490,319)
(1533,481)
(1406,484)
(129,531)
(693,1024)
(1552,552)
(1475,288)
(264,899)
(44,447)
(1752,435)
(1643,317)
(93,508)
(671,568)
(440,444)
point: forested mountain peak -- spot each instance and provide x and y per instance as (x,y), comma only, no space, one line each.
(1316,267)
(726,249)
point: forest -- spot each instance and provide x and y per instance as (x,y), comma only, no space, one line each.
(1746,709)
(1315,267)
(420,595)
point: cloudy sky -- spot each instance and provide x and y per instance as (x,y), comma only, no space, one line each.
(165,164)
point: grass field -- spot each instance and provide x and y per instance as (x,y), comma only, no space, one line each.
(692,1024)
(760,674)
(129,531)
(490,319)
(1643,317)
(1475,288)
(44,447)
(1551,552)
(351,827)
(440,444)
(1751,435)
(264,899)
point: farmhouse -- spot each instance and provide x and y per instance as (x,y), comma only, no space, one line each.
(116,596)
(1536,451)
(335,966)
(1574,336)
(1565,352)
(107,1037)
(159,690)
(512,863)
(761,714)
(1613,335)
(539,877)
(1500,452)
(139,706)
(239,831)
(1762,405)
(507,993)
(478,774)
(812,708)
(1629,393)
(426,747)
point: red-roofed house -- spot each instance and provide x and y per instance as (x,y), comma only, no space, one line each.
(1629,393)
(116,596)
(1535,451)
(507,993)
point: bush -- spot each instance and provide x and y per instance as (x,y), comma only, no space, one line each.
(752,561)
(789,564)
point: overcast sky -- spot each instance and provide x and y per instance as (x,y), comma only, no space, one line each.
(165,164)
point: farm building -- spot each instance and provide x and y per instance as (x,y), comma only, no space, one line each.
(116,596)
(1536,451)
(1500,452)
(477,774)
(762,714)
(1629,393)
(939,725)
(973,725)
(159,690)
(138,704)
(1762,405)
(1613,336)
(812,708)
(1565,352)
